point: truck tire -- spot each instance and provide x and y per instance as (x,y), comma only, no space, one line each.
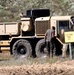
(40,49)
(21,48)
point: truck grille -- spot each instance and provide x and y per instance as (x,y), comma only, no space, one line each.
(41,27)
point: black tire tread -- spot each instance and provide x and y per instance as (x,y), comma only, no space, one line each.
(22,42)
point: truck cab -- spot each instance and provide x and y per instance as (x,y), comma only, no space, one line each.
(61,23)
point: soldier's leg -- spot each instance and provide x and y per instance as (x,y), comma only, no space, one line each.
(49,47)
(51,50)
(53,40)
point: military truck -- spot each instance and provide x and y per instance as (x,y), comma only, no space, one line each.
(26,38)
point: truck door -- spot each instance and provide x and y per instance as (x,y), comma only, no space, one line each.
(61,25)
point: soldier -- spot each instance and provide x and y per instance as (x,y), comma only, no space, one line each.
(48,36)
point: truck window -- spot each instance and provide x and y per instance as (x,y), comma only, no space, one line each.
(62,25)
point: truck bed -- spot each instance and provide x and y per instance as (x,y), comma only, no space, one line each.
(7,28)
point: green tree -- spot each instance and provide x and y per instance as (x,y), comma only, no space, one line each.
(62,7)
(10,9)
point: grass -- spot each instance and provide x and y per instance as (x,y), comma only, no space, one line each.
(8,60)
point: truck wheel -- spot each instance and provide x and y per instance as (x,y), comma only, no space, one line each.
(21,48)
(40,49)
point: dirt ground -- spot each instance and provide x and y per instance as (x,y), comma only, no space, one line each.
(42,66)
(65,68)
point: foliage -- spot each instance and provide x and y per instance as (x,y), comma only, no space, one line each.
(10,9)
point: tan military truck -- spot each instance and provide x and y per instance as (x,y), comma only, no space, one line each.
(26,38)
